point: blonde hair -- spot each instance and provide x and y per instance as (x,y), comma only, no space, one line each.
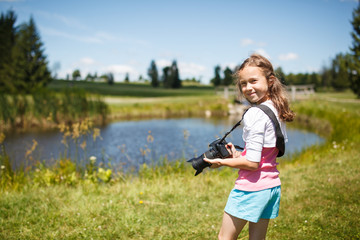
(276,91)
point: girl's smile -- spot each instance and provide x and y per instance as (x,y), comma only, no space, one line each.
(253,84)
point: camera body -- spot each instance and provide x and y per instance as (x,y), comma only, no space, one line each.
(217,149)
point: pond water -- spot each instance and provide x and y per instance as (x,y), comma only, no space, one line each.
(128,144)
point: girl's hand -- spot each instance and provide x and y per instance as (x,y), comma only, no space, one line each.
(232,150)
(215,163)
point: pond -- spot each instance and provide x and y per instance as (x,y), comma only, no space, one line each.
(128,144)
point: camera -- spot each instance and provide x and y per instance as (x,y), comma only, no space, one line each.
(217,149)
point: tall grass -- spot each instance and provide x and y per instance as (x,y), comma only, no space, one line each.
(65,170)
(46,108)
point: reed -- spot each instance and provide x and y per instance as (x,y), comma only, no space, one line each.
(46,109)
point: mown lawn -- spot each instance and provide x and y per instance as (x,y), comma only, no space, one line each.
(132,89)
(320,196)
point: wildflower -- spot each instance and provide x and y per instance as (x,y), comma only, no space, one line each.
(75,131)
(92,159)
(2,167)
(141,202)
(83,145)
(96,133)
(84,127)
(150,138)
(32,149)
(145,151)
(141,193)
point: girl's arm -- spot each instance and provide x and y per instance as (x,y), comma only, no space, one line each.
(239,162)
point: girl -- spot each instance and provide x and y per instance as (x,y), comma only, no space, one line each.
(256,195)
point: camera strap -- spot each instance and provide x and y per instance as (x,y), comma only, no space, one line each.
(280,140)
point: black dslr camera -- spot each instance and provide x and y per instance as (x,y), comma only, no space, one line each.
(217,150)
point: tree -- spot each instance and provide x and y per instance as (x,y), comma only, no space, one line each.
(228,77)
(7,42)
(127,80)
(216,81)
(153,74)
(281,75)
(325,77)
(340,72)
(110,79)
(175,78)
(355,49)
(166,79)
(28,68)
(315,79)
(89,77)
(76,75)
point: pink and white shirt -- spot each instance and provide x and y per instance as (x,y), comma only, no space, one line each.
(260,146)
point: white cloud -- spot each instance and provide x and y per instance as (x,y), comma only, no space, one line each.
(230,65)
(246,42)
(162,63)
(118,68)
(191,69)
(288,56)
(262,52)
(87,61)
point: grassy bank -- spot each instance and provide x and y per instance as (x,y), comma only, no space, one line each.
(320,195)
(130,108)
(46,109)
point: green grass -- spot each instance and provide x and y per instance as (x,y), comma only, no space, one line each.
(320,195)
(132,89)
(121,108)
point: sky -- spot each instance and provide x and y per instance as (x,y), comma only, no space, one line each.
(122,37)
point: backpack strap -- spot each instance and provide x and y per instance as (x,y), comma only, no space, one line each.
(280,141)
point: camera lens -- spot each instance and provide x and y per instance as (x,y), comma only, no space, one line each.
(199,164)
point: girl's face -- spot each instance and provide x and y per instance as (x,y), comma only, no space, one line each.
(253,84)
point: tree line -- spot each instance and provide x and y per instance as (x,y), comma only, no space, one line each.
(24,67)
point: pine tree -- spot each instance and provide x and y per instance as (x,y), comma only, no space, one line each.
(28,68)
(7,42)
(127,79)
(110,79)
(216,81)
(355,49)
(153,74)
(228,77)
(175,78)
(166,77)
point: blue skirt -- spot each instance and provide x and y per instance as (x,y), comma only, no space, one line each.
(252,206)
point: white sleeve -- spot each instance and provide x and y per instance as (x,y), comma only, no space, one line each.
(254,133)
